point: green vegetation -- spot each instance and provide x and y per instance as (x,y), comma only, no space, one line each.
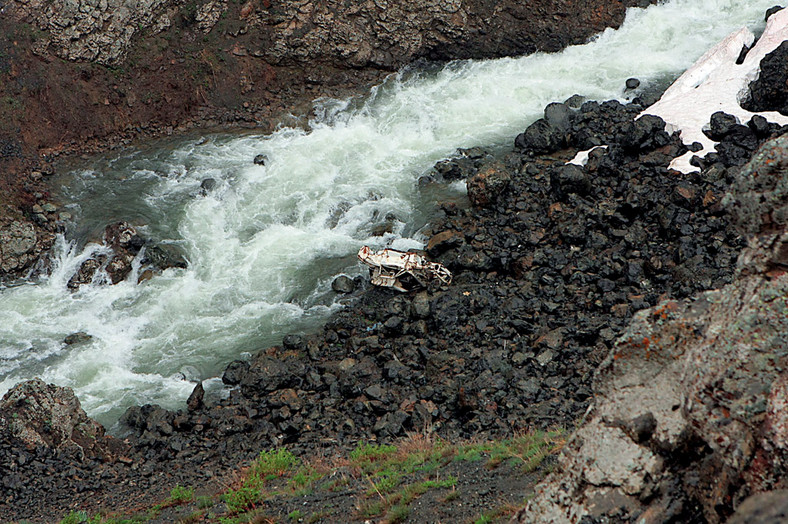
(382,480)
(269,465)
(180,495)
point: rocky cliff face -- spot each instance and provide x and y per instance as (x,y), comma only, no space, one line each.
(373,33)
(690,410)
(95,31)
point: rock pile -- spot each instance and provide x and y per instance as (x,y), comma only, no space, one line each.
(690,410)
(113,263)
(549,268)
(49,447)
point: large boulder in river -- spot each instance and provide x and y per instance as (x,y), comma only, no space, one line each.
(125,244)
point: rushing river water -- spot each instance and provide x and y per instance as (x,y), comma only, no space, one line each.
(264,245)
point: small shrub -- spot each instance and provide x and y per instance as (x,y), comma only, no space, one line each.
(452,495)
(242,499)
(397,514)
(304,478)
(274,463)
(204,502)
(317,517)
(75,517)
(384,482)
(366,453)
(296,515)
(181,495)
(192,518)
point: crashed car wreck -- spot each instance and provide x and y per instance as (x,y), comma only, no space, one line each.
(402,271)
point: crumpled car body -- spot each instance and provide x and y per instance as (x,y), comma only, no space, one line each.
(400,270)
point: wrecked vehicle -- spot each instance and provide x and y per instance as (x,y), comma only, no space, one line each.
(402,271)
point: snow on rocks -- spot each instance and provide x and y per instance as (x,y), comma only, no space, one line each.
(581,158)
(717,83)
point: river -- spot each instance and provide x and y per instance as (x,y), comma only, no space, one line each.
(265,244)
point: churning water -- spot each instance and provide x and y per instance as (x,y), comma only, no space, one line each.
(264,245)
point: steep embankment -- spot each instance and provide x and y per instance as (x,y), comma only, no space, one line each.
(88,77)
(689,416)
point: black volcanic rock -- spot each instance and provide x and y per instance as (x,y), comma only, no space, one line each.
(769,92)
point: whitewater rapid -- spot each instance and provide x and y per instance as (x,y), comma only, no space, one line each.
(264,245)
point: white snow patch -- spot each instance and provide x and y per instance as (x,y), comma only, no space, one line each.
(716,83)
(581,158)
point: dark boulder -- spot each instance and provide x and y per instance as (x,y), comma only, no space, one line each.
(164,256)
(79,337)
(760,126)
(343,284)
(444,241)
(769,92)
(541,137)
(234,372)
(455,168)
(293,341)
(570,178)
(195,400)
(267,374)
(260,160)
(559,116)
(487,184)
(208,185)
(720,124)
(647,132)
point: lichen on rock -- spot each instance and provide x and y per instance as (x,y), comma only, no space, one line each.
(36,414)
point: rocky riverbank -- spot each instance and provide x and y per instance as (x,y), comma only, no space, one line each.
(552,263)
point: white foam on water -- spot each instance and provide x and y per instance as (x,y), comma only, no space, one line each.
(264,245)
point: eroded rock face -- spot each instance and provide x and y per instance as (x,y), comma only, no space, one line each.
(93,31)
(36,414)
(372,33)
(708,374)
(386,34)
(21,246)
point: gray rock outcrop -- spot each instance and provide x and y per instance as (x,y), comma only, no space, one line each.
(92,31)
(691,409)
(36,414)
(21,246)
(370,33)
